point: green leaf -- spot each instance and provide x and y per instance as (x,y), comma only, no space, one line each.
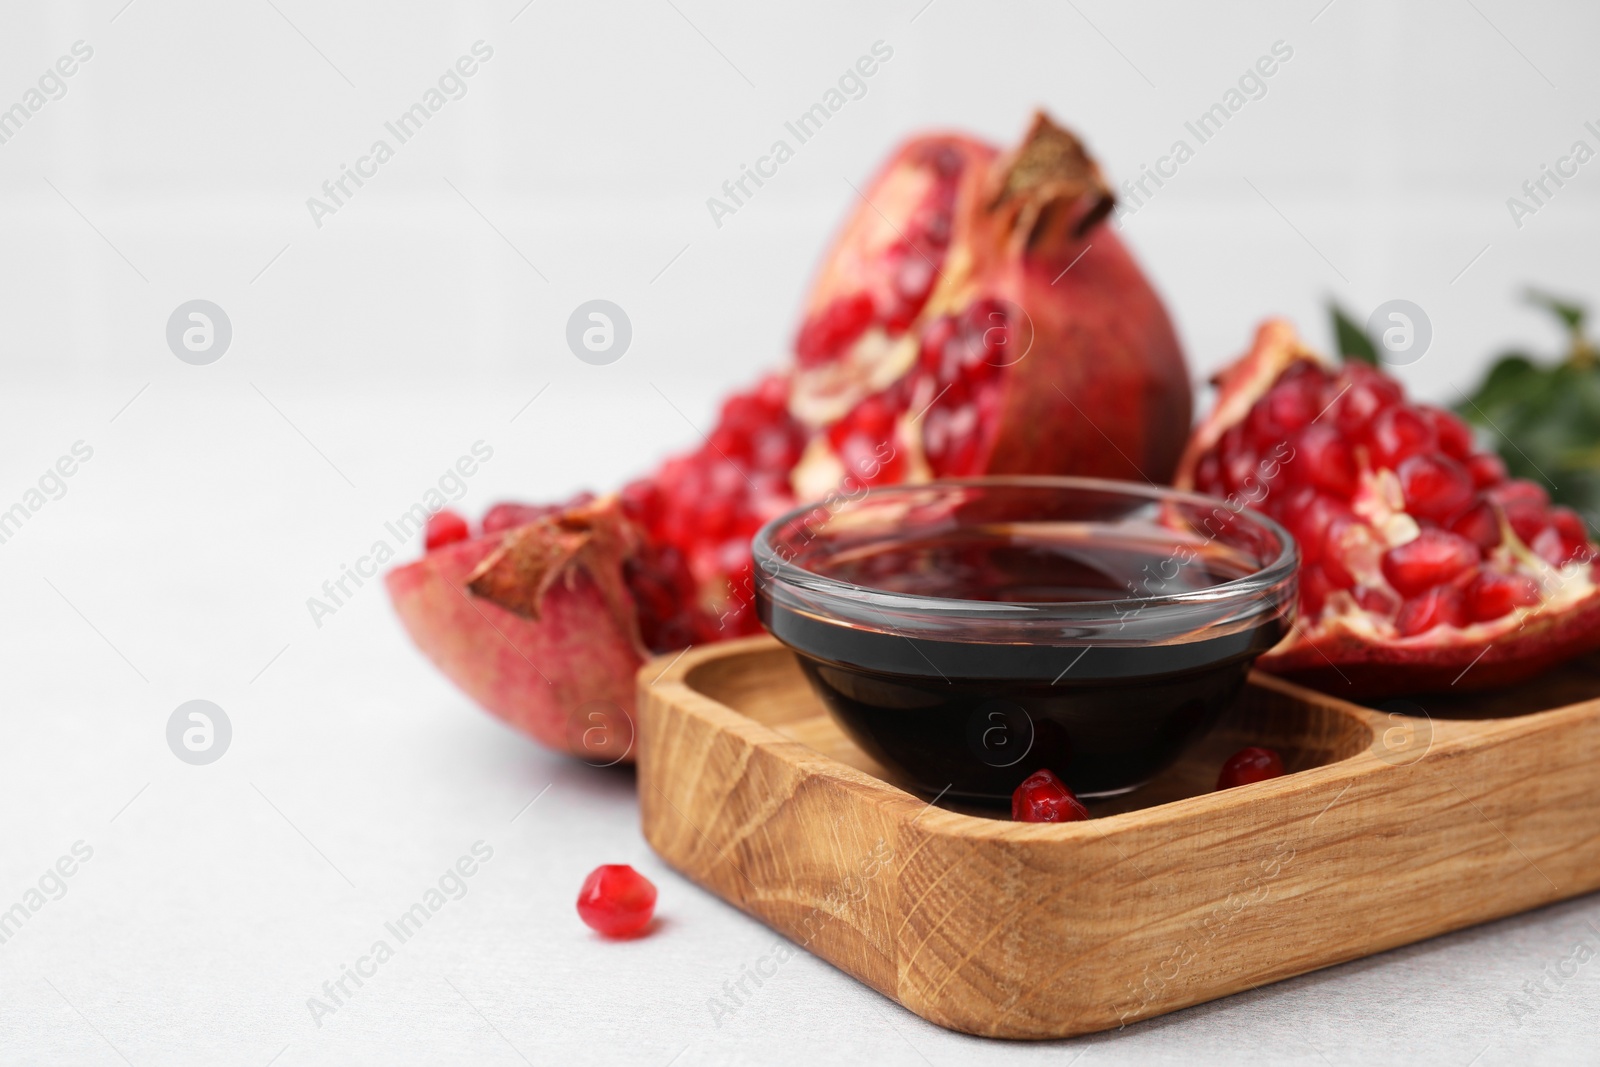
(1570,314)
(1544,417)
(1351,338)
(1511,381)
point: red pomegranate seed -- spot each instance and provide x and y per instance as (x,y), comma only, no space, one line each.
(1314,590)
(1435,487)
(1332,555)
(616,900)
(1432,558)
(873,461)
(1564,540)
(1519,493)
(936,338)
(932,224)
(913,278)
(1042,797)
(826,334)
(1527,520)
(871,419)
(1440,606)
(1493,594)
(984,334)
(1253,764)
(1288,406)
(773,392)
(1369,393)
(1240,472)
(1233,446)
(1310,520)
(1479,524)
(951,438)
(1400,432)
(1377,601)
(1454,436)
(1326,458)
(776,448)
(1486,469)
(445,528)
(641,502)
(1548,546)
(1570,524)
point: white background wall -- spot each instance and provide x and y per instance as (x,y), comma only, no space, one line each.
(373,351)
(195,135)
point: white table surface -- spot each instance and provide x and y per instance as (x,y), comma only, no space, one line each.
(370,353)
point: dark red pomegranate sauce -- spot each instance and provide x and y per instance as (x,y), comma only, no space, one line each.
(970,718)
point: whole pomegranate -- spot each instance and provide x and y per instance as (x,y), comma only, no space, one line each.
(974,317)
(1423,566)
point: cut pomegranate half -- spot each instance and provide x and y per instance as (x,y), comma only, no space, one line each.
(1424,567)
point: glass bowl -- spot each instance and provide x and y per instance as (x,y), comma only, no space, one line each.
(968,633)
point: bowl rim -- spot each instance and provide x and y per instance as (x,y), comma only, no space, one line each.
(771,570)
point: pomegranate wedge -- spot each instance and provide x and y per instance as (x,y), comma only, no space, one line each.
(1424,568)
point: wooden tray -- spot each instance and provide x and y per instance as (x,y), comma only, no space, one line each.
(1389,829)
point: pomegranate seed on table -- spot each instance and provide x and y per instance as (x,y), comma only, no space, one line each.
(1042,797)
(445,528)
(616,900)
(1252,764)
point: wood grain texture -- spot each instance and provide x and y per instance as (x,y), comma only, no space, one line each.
(1387,830)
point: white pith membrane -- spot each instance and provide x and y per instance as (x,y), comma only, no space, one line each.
(821,396)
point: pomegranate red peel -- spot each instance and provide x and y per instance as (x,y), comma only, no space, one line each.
(535,673)
(1434,571)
